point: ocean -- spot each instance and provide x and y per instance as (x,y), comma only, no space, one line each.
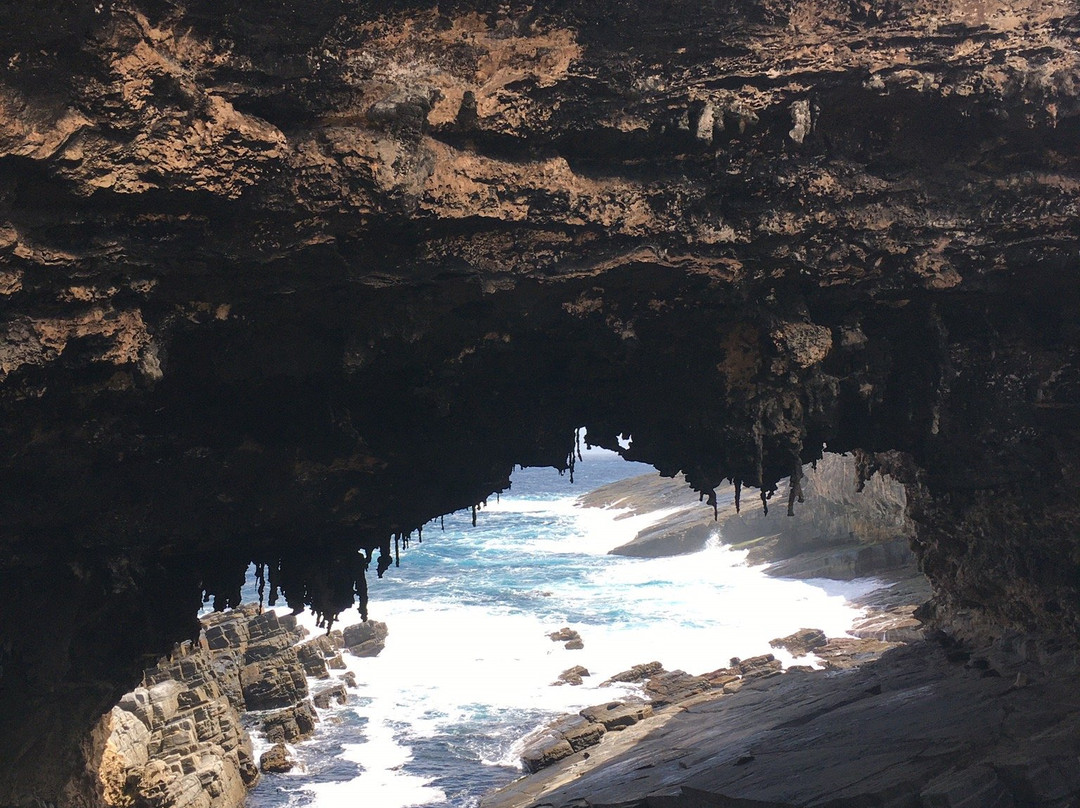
(468,667)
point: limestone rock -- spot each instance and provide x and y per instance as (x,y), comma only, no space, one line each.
(638,673)
(333,694)
(276,760)
(177,741)
(675,686)
(572,676)
(842,653)
(544,750)
(578,731)
(291,724)
(802,642)
(616,715)
(274,682)
(365,639)
(571,639)
(759,667)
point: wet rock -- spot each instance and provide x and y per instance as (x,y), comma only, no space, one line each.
(559,739)
(721,677)
(544,750)
(276,682)
(335,694)
(572,676)
(290,725)
(893,625)
(638,673)
(617,715)
(349,679)
(571,639)
(675,686)
(802,642)
(276,760)
(759,667)
(365,639)
(843,653)
(578,731)
(336,663)
(314,656)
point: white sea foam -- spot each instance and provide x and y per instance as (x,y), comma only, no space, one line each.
(487,664)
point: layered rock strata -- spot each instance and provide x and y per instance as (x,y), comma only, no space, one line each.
(874,735)
(179,740)
(846,527)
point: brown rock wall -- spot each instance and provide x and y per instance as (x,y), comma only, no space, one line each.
(285,281)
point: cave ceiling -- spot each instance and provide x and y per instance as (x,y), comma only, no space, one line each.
(280,281)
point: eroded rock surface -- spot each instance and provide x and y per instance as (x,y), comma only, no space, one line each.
(869,736)
(285,281)
(178,740)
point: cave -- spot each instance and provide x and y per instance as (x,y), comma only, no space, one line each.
(280,281)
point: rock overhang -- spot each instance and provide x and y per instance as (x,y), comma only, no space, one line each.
(277,286)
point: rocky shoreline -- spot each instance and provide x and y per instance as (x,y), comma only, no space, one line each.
(841,536)
(887,624)
(837,529)
(182,739)
(875,734)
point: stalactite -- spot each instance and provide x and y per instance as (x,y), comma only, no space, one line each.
(474,516)
(577,443)
(738,494)
(385,558)
(362,592)
(397,551)
(715,509)
(764,502)
(260,576)
(420,534)
(442,523)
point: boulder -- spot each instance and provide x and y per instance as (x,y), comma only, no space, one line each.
(617,715)
(291,724)
(273,683)
(759,667)
(334,694)
(230,632)
(349,679)
(545,750)
(312,659)
(578,731)
(675,686)
(276,760)
(572,676)
(802,642)
(571,639)
(638,673)
(365,639)
(335,663)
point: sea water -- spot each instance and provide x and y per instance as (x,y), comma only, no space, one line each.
(468,667)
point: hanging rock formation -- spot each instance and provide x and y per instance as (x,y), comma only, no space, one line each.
(283,281)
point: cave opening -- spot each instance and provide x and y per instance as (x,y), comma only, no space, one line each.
(546,599)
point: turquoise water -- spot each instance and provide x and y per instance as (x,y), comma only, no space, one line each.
(467,670)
